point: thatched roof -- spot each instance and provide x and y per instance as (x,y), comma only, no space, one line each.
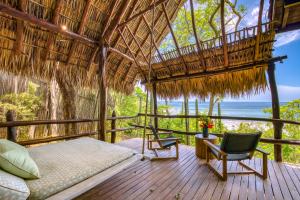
(68,39)
(87,18)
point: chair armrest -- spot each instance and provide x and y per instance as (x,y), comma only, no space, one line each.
(214,147)
(168,139)
(262,151)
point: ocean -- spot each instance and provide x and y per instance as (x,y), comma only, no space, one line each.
(241,109)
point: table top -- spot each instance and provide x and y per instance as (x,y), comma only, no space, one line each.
(210,137)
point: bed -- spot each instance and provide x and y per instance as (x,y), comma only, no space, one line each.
(71,168)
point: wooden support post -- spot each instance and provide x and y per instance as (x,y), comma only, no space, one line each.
(11,131)
(187,121)
(259,23)
(155,105)
(18,45)
(275,111)
(113,127)
(224,39)
(102,92)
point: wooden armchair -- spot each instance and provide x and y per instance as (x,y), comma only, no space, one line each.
(164,143)
(236,147)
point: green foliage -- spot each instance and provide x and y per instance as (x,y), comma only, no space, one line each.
(203,10)
(25,105)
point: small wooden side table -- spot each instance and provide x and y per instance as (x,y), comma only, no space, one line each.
(200,146)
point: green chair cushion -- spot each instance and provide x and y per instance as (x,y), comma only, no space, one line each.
(16,160)
(232,157)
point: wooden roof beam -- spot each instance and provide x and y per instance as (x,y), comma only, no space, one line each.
(135,31)
(132,59)
(43,24)
(18,45)
(116,20)
(157,49)
(255,64)
(135,60)
(174,37)
(54,20)
(81,28)
(259,24)
(224,39)
(285,17)
(196,36)
(152,6)
(137,43)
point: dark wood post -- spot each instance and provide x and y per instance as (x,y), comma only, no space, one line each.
(113,127)
(155,105)
(11,131)
(102,92)
(187,120)
(275,112)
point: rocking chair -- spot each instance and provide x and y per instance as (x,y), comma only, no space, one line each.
(164,143)
(236,147)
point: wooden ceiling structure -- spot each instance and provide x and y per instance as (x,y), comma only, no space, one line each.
(285,14)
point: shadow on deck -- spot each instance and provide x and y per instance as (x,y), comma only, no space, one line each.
(189,178)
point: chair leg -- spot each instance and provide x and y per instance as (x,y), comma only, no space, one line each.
(224,162)
(265,166)
(177,150)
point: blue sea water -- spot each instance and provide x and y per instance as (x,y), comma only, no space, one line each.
(241,109)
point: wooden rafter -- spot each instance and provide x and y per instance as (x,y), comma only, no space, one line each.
(259,24)
(137,43)
(110,11)
(122,30)
(174,38)
(54,20)
(236,68)
(135,60)
(200,53)
(143,12)
(105,25)
(132,59)
(44,24)
(81,28)
(116,20)
(285,17)
(18,45)
(224,39)
(157,49)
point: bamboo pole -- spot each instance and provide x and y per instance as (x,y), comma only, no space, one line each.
(18,45)
(187,121)
(259,24)
(155,105)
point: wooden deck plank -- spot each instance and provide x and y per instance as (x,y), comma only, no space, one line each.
(189,178)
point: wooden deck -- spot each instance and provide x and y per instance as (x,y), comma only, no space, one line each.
(189,178)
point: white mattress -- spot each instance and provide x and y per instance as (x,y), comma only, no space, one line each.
(65,164)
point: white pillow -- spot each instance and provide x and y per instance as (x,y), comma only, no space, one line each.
(12,187)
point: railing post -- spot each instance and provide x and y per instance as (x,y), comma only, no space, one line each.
(11,131)
(113,127)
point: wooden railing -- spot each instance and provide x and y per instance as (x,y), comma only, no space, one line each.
(264,140)
(231,38)
(11,128)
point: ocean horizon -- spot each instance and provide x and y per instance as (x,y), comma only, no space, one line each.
(228,108)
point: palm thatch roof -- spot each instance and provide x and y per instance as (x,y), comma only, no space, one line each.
(39,38)
(27,49)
